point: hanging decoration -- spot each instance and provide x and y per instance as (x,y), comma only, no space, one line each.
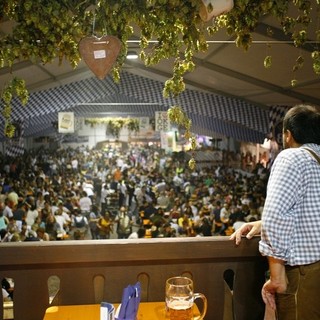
(166,29)
(179,117)
(115,125)
(100,53)
(16,87)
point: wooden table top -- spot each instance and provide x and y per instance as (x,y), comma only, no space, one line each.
(147,311)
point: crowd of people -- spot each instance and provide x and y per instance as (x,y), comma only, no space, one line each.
(119,193)
(93,193)
(139,192)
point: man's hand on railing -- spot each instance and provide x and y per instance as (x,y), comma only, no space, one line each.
(248,229)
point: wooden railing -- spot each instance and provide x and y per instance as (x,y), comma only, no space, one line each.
(92,271)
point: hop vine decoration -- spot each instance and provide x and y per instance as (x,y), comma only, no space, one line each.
(294,19)
(267,62)
(316,61)
(45,30)
(193,143)
(178,116)
(115,125)
(15,87)
(192,163)
(133,125)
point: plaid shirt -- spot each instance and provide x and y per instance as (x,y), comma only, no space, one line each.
(291,215)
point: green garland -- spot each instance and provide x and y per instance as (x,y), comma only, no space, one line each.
(243,19)
(48,29)
(115,125)
(15,87)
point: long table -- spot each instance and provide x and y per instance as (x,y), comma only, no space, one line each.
(147,311)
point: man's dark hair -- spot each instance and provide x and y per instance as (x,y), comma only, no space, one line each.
(303,121)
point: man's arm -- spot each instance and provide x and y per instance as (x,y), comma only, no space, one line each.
(277,274)
(277,282)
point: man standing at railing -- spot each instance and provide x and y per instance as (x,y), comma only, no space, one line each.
(290,224)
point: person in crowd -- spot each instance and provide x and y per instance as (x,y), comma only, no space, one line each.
(290,220)
(157,218)
(20,213)
(25,233)
(206,227)
(184,220)
(140,233)
(88,187)
(79,225)
(85,203)
(10,203)
(64,221)
(39,200)
(122,193)
(93,220)
(105,226)
(238,223)
(205,222)
(216,215)
(52,227)
(75,165)
(4,221)
(168,231)
(225,218)
(32,212)
(103,199)
(78,235)
(163,199)
(42,235)
(124,223)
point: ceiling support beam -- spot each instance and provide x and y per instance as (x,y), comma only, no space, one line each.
(256,82)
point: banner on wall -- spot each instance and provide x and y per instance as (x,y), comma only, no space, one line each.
(144,123)
(168,141)
(66,122)
(162,121)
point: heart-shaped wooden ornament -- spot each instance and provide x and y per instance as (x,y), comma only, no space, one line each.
(100,53)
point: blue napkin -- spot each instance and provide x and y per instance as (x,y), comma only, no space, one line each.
(130,302)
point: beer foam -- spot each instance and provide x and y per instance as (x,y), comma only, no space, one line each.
(180,304)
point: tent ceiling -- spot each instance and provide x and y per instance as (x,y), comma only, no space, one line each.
(229,92)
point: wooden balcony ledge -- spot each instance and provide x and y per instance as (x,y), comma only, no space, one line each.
(91,271)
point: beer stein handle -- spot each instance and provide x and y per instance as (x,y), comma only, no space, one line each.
(204,308)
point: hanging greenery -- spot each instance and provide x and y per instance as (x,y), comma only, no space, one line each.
(133,125)
(179,117)
(48,29)
(15,87)
(294,18)
(115,125)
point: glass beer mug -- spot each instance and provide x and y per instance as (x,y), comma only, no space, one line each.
(180,298)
